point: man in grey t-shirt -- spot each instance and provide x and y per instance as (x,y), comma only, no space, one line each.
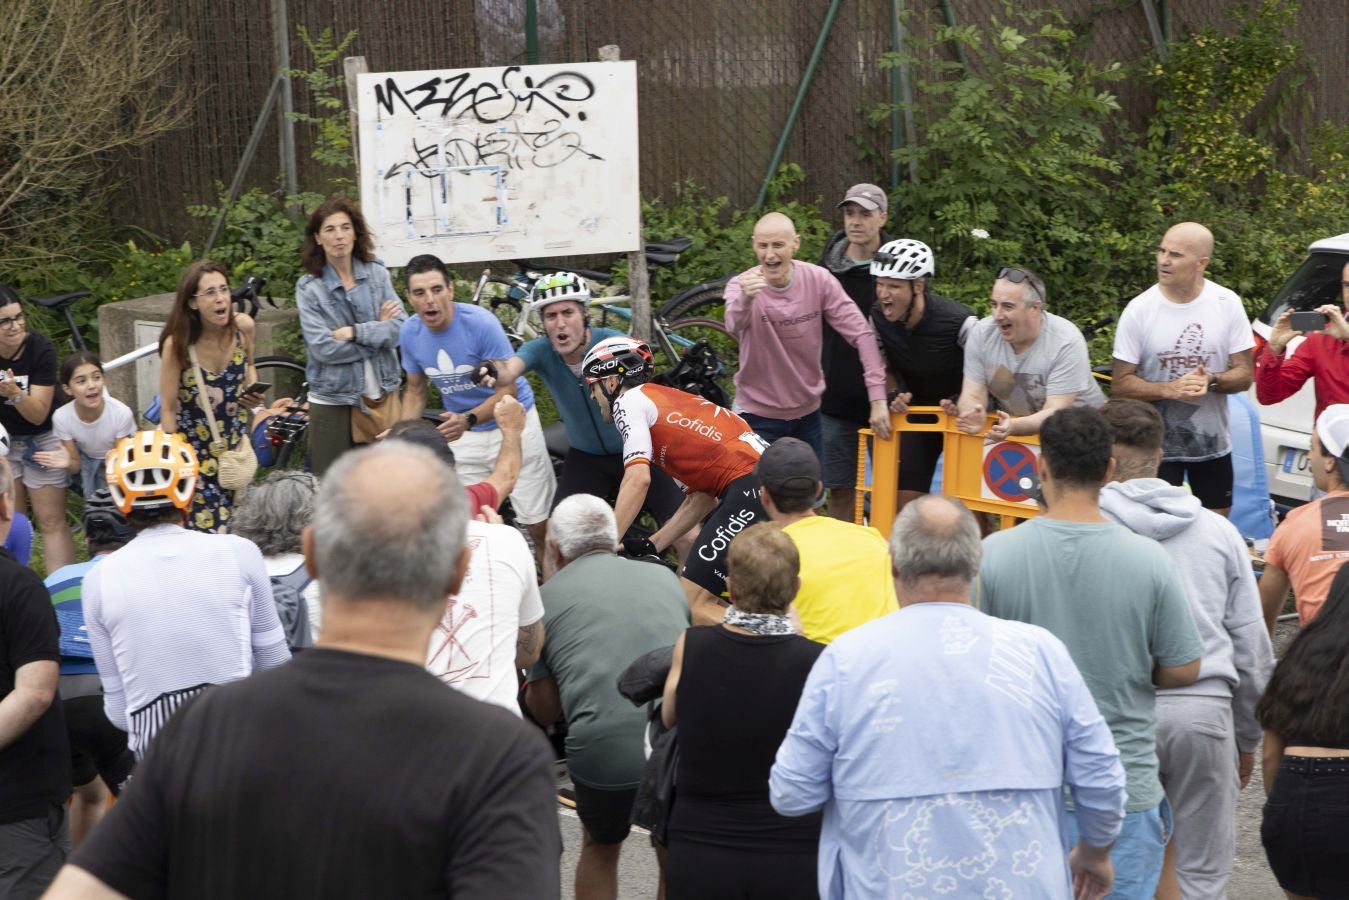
(1116,601)
(1028,360)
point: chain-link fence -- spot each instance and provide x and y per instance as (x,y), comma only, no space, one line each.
(717,79)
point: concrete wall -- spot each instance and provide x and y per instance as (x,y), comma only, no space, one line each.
(129,324)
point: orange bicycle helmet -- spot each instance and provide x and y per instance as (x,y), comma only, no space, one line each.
(151,470)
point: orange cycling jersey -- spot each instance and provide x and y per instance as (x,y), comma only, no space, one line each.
(702,446)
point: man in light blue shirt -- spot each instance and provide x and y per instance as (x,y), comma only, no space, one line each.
(1113,597)
(938,741)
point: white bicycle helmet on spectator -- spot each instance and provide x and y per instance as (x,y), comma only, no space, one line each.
(905,259)
(557,287)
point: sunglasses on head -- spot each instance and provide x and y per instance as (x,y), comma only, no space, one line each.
(1020,276)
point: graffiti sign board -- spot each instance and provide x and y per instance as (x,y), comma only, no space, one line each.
(500,163)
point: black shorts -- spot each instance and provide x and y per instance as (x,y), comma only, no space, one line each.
(97,747)
(588,473)
(1210,480)
(606,814)
(1303,828)
(739,508)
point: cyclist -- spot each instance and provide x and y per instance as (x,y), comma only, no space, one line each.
(708,449)
(174,611)
(594,463)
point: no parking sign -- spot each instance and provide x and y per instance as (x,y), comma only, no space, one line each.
(1005,465)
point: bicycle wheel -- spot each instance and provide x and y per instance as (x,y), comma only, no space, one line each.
(285,375)
(703,301)
(502,297)
(711,377)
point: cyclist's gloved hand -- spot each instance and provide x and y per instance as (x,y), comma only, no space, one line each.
(637,547)
(486,369)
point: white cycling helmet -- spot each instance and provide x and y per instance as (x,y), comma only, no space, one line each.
(557,287)
(905,259)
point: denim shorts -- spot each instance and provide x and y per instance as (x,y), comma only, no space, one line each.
(1138,851)
(1305,823)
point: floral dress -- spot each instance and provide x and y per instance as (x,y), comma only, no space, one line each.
(212,505)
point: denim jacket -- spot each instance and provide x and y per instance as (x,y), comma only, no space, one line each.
(336,368)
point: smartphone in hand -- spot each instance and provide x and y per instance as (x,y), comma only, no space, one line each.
(1308,321)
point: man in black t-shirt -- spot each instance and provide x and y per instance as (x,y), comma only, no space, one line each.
(922,338)
(34,750)
(351,771)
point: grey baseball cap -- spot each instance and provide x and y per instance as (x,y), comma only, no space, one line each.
(867,196)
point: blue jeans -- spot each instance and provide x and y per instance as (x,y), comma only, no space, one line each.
(1138,851)
(807,428)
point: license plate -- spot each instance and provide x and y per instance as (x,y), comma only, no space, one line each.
(1293,460)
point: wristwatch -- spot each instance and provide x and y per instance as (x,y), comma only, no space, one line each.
(471,419)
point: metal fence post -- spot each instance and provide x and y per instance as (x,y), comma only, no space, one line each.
(286,127)
(901,98)
(1155,30)
(795,112)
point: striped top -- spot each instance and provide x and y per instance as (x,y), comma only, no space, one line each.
(174,610)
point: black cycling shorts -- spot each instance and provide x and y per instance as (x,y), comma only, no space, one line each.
(1210,480)
(97,747)
(739,508)
(588,473)
(606,814)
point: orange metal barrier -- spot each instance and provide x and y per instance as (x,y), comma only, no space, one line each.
(984,476)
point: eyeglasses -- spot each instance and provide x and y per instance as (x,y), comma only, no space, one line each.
(221,291)
(11,322)
(1020,276)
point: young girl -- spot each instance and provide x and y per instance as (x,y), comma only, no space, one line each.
(90,425)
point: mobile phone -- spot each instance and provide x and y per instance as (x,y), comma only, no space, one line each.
(258,387)
(1308,320)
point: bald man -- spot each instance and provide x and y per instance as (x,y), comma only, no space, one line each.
(1184,344)
(777,311)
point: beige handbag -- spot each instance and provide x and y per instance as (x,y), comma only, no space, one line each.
(235,467)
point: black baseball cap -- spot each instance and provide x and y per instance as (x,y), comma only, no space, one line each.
(789,468)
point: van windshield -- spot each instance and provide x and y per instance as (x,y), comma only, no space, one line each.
(1315,283)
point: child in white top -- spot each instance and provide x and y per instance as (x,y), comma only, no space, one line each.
(90,425)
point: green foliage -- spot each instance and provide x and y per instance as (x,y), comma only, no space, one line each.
(261,236)
(1015,161)
(327,89)
(722,236)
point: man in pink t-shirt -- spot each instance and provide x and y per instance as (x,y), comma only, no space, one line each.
(1313,541)
(777,311)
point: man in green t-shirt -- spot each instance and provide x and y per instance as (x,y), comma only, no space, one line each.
(1114,598)
(601,612)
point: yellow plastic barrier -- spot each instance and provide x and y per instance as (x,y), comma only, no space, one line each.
(984,476)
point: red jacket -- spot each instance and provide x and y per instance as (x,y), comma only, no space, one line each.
(1319,356)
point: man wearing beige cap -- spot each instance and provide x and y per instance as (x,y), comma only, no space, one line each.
(844,407)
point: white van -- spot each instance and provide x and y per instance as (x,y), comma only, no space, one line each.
(1286,427)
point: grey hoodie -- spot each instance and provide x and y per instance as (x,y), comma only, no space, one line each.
(1215,568)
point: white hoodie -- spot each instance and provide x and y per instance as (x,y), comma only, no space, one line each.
(1215,568)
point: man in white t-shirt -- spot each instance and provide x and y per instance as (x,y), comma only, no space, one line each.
(493,627)
(1184,344)
(1026,360)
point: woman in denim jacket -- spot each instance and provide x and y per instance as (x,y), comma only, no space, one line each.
(350,317)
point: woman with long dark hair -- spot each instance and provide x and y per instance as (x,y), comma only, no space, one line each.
(27,399)
(350,316)
(205,338)
(1305,714)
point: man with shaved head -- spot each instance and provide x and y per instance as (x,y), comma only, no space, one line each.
(1184,344)
(777,311)
(351,771)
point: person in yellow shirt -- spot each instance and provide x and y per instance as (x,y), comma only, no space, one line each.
(845,568)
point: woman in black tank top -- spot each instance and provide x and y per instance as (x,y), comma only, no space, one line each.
(1305,714)
(734,688)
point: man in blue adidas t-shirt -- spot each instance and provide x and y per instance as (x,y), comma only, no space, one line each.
(442,345)
(594,462)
